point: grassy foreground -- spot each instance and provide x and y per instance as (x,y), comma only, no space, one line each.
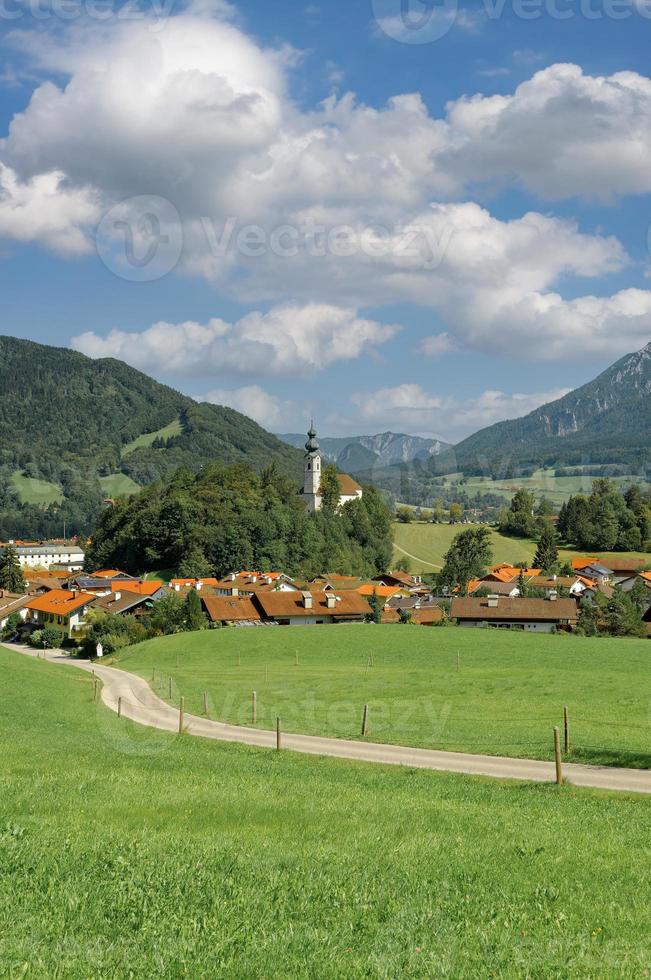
(427,544)
(467,690)
(126,852)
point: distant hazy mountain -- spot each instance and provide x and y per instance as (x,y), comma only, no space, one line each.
(607,420)
(356,454)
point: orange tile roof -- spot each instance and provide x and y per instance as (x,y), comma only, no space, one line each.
(190,583)
(60,602)
(579,563)
(107,573)
(138,588)
(384,591)
(229,609)
(347,486)
(283,605)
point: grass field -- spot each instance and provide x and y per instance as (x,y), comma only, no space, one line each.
(505,699)
(38,492)
(426,544)
(127,852)
(142,442)
(543,483)
(118,485)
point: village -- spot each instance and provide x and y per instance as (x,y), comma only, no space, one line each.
(59,595)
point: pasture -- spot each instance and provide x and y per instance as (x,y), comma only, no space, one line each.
(38,492)
(424,545)
(485,691)
(127,852)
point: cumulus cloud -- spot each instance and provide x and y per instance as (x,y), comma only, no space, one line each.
(288,340)
(410,408)
(202,115)
(44,209)
(273,413)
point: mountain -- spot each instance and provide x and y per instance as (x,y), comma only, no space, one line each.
(607,421)
(361,454)
(67,419)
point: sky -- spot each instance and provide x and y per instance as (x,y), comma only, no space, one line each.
(422,217)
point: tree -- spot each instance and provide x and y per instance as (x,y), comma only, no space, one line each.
(456,513)
(404,565)
(51,638)
(195,618)
(167,616)
(11,575)
(640,596)
(330,493)
(519,519)
(405,515)
(11,626)
(194,565)
(377,607)
(546,556)
(467,558)
(622,617)
(587,624)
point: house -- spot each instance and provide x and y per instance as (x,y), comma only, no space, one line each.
(401,580)
(628,583)
(497,588)
(64,609)
(574,584)
(154,589)
(249,583)
(192,583)
(232,610)
(312,608)
(598,572)
(349,489)
(11,604)
(530,615)
(621,567)
(67,556)
(121,603)
(422,612)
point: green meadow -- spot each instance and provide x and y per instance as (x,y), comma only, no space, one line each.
(148,438)
(425,545)
(126,852)
(38,492)
(486,691)
(118,485)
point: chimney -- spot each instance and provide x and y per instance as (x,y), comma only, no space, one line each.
(177,587)
(232,576)
(553,595)
(117,596)
(331,600)
(307,600)
(235,592)
(254,579)
(198,586)
(493,601)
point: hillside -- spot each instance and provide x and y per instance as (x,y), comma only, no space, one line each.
(360,454)
(68,420)
(607,421)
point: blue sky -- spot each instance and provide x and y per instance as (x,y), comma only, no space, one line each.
(490,185)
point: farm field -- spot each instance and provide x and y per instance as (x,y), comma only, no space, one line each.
(118,485)
(502,696)
(143,441)
(128,852)
(38,492)
(543,483)
(425,544)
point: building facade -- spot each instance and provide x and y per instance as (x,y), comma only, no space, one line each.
(349,489)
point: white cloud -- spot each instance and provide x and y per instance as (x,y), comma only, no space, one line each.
(410,408)
(200,114)
(44,209)
(273,413)
(288,340)
(437,345)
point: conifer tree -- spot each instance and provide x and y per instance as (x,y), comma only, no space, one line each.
(546,557)
(11,575)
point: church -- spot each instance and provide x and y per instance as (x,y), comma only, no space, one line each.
(349,489)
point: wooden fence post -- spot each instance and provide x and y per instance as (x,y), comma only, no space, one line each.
(254,707)
(119,707)
(95,686)
(181,715)
(170,690)
(278,734)
(205,702)
(566,726)
(365,722)
(557,754)
(153,675)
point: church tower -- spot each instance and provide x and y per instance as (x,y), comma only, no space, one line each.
(312,481)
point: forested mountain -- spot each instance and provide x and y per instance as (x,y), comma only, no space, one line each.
(360,454)
(607,421)
(70,420)
(229,517)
